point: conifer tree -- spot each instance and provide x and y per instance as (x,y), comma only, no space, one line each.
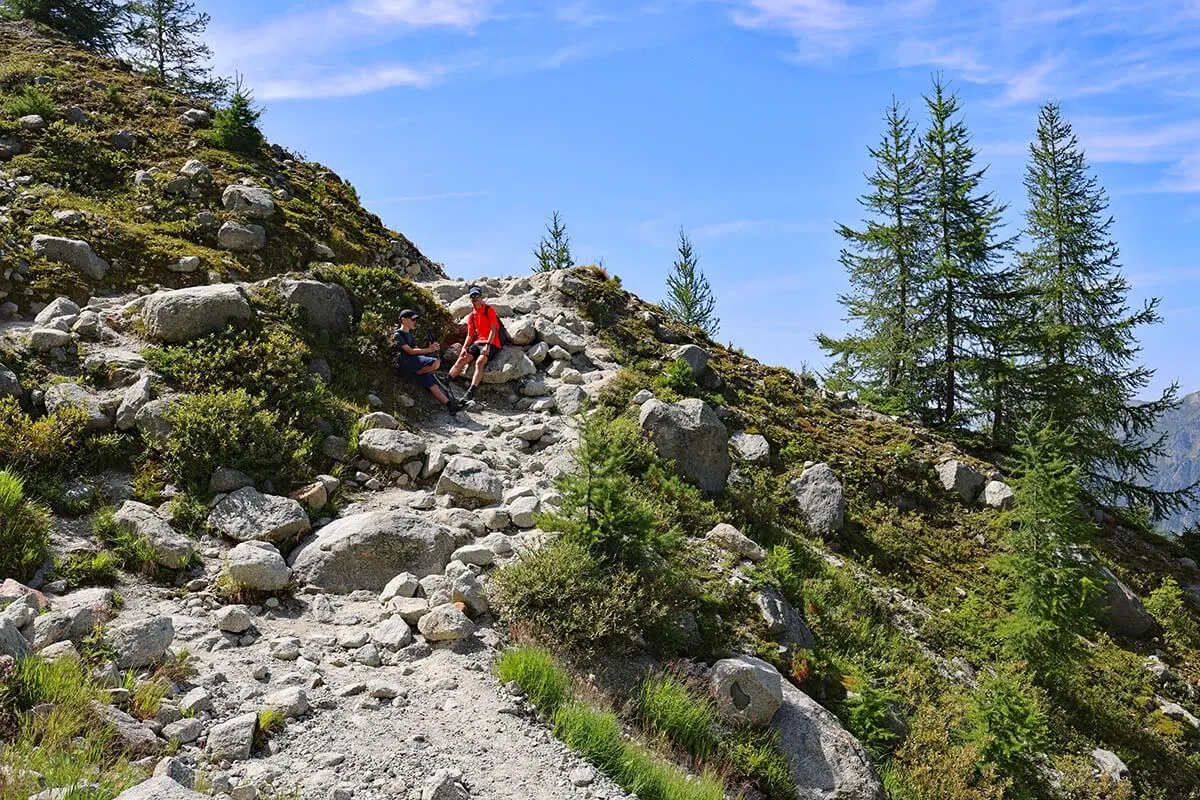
(1086,377)
(235,127)
(554,252)
(886,261)
(164,39)
(689,297)
(1053,585)
(962,224)
(90,23)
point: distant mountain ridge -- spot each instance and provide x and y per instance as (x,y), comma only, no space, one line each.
(1180,466)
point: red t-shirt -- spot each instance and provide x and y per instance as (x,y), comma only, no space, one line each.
(479,322)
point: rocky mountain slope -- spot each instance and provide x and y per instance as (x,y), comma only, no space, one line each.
(283,569)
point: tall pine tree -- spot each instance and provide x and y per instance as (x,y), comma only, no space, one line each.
(886,261)
(91,23)
(963,222)
(1086,378)
(164,39)
(689,297)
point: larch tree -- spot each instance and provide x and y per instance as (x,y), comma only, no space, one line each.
(689,297)
(886,261)
(1086,376)
(963,223)
(164,38)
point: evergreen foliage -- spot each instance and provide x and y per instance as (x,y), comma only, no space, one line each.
(90,23)
(963,252)
(554,252)
(24,530)
(689,297)
(235,127)
(164,38)
(1085,376)
(1049,543)
(886,264)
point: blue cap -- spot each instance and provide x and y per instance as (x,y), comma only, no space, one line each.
(475,291)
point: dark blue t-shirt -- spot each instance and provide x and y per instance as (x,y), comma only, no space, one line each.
(404,360)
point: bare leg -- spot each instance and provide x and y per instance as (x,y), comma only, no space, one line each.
(438,394)
(461,364)
(480,365)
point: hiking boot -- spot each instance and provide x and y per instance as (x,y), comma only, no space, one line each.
(453,406)
(470,395)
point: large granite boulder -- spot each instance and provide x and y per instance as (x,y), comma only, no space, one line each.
(249,514)
(73,252)
(241,238)
(258,566)
(326,306)
(250,201)
(67,394)
(365,551)
(747,690)
(510,364)
(160,788)
(961,478)
(827,762)
(821,499)
(690,433)
(185,314)
(385,446)
(142,642)
(1124,614)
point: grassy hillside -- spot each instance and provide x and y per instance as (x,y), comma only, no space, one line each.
(74,163)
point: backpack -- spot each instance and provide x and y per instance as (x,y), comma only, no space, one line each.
(502,332)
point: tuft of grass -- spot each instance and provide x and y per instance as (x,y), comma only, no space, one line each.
(597,736)
(546,684)
(667,708)
(24,529)
(146,697)
(30,100)
(132,551)
(67,745)
(87,569)
(270,723)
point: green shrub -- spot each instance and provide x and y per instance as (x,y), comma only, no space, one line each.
(271,721)
(132,552)
(30,100)
(24,530)
(565,595)
(233,429)
(73,158)
(678,378)
(235,127)
(1006,722)
(269,364)
(543,681)
(41,447)
(870,717)
(1167,606)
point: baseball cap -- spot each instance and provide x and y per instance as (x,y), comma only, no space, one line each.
(475,291)
(408,313)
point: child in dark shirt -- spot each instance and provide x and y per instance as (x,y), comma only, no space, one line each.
(417,362)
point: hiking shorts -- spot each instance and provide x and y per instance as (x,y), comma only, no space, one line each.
(413,364)
(477,349)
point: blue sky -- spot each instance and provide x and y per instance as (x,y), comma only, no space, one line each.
(465,123)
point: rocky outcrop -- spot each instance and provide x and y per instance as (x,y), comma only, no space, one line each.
(141,643)
(689,433)
(748,690)
(249,201)
(171,549)
(365,551)
(821,499)
(827,762)
(382,445)
(1124,614)
(752,448)
(731,539)
(241,238)
(960,478)
(325,306)
(470,480)
(258,566)
(997,494)
(72,252)
(160,788)
(63,395)
(185,314)
(249,514)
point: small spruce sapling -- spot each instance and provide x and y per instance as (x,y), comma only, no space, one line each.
(554,252)
(689,297)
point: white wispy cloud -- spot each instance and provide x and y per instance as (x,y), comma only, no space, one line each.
(1026,51)
(350,84)
(421,198)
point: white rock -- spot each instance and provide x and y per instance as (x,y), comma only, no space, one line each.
(234,619)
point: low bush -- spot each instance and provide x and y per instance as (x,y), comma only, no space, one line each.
(30,100)
(564,595)
(1167,606)
(233,429)
(543,681)
(24,530)
(1006,723)
(678,377)
(43,447)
